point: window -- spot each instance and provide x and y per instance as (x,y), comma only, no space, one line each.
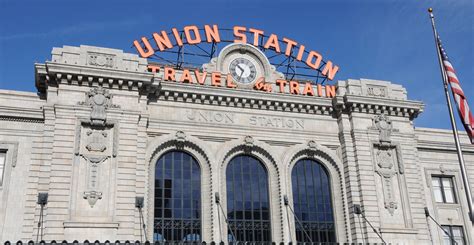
(248,209)
(177,198)
(456,235)
(3,156)
(443,189)
(312,203)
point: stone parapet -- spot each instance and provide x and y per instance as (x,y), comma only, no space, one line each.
(88,66)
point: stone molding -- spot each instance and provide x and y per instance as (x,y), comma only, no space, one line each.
(79,224)
(362,104)
(21,119)
(12,150)
(21,114)
(244,99)
(51,74)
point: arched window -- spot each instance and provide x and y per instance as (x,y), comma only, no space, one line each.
(248,209)
(312,202)
(177,198)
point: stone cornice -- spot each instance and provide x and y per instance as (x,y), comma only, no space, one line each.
(51,74)
(21,119)
(244,98)
(374,105)
(20,114)
(443,146)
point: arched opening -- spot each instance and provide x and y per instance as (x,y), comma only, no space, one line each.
(248,207)
(312,202)
(177,211)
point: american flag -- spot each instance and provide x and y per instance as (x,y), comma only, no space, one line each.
(458,94)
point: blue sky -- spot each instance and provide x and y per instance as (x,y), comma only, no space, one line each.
(385,40)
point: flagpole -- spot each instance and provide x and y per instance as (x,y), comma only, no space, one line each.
(462,165)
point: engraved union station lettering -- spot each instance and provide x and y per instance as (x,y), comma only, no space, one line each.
(276,122)
(255,121)
(210,116)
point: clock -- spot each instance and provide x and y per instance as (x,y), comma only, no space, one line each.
(243,70)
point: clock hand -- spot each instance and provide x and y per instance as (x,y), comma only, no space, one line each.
(240,68)
(240,76)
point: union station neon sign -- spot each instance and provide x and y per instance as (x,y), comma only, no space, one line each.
(192,35)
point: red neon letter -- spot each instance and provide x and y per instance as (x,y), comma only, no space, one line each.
(169,74)
(294,87)
(149,50)
(282,84)
(256,34)
(212,34)
(153,68)
(186,77)
(230,82)
(239,32)
(329,70)
(177,37)
(163,39)
(200,78)
(187,33)
(289,45)
(300,53)
(309,60)
(216,79)
(273,42)
(330,91)
(308,89)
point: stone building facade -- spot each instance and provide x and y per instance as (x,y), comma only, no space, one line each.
(93,134)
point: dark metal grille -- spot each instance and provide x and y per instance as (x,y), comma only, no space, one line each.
(177,198)
(247,200)
(312,202)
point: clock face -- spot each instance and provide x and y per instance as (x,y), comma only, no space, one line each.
(243,70)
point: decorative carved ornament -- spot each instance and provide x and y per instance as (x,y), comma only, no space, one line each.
(97,141)
(180,138)
(92,197)
(96,134)
(99,99)
(384,125)
(376,91)
(387,170)
(93,179)
(101,60)
(249,143)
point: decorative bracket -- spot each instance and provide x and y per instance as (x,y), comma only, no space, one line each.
(249,143)
(92,197)
(180,138)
